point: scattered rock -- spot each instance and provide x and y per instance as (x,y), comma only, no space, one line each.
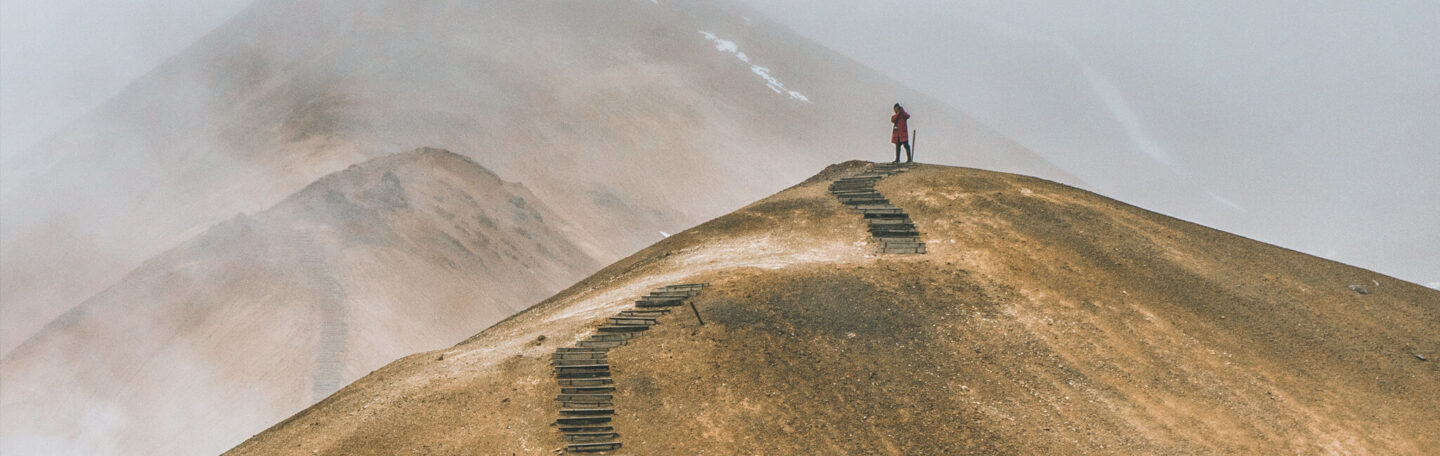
(441,357)
(540,340)
(1421,357)
(1360,289)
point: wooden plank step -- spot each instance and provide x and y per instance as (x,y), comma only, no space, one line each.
(645,303)
(587,390)
(586,429)
(624,328)
(590,436)
(574,362)
(581,420)
(587,404)
(895,234)
(573,354)
(643,313)
(673,293)
(875,207)
(580,349)
(582,374)
(891,225)
(585,382)
(585,397)
(601,343)
(685,286)
(890,221)
(558,363)
(592,447)
(587,411)
(901,250)
(583,367)
(579,356)
(884,213)
(632,321)
(612,337)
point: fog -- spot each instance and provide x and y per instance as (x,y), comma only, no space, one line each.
(61,58)
(1312,125)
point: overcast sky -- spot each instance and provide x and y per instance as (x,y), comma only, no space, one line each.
(60,58)
(1315,124)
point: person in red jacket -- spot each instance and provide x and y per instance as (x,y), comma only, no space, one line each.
(900,134)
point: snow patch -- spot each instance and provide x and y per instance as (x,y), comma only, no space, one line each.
(662,233)
(1223,200)
(1435,285)
(771,82)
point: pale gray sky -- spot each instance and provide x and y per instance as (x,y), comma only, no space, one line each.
(1313,125)
(60,58)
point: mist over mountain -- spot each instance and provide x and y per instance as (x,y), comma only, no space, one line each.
(263,314)
(602,109)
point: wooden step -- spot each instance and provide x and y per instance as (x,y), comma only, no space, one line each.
(875,207)
(585,382)
(601,343)
(588,390)
(578,355)
(586,404)
(884,213)
(574,362)
(624,328)
(585,397)
(643,313)
(582,420)
(632,321)
(591,436)
(580,350)
(592,447)
(612,336)
(889,221)
(587,411)
(582,374)
(895,234)
(672,294)
(648,303)
(586,429)
(685,286)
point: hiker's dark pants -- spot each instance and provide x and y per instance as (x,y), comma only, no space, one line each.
(909,156)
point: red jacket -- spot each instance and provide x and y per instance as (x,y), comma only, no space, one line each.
(901,133)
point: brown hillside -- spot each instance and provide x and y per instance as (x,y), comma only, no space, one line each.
(266,314)
(1043,320)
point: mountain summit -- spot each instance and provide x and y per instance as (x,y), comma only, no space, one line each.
(1041,319)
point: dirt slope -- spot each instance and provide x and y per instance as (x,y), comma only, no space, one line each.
(1044,320)
(622,114)
(265,314)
